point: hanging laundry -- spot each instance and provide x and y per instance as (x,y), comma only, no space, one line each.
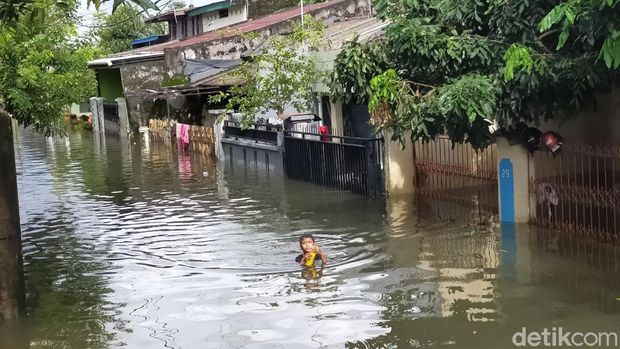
(182,133)
(185,134)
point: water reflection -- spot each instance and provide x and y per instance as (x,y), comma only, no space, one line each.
(156,248)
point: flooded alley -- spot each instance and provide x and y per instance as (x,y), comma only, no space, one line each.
(143,247)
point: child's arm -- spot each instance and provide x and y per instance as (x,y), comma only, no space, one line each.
(322,254)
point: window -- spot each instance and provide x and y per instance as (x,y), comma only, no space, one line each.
(85,107)
(224,13)
(196,25)
(173,30)
(183,28)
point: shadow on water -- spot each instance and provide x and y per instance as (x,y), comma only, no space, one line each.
(140,245)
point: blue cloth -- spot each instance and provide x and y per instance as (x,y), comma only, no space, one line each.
(298,258)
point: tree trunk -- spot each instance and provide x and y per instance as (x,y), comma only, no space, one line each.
(12,294)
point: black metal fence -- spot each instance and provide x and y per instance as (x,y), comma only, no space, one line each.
(110,116)
(345,163)
(256,132)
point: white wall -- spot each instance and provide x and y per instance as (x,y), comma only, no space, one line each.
(75,109)
(236,14)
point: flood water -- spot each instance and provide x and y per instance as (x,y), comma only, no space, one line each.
(136,247)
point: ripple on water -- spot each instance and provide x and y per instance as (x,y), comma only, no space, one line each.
(120,251)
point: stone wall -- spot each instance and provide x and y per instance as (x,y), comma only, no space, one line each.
(142,76)
(137,79)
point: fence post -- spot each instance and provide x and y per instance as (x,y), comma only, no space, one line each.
(399,166)
(513,182)
(96,106)
(280,141)
(373,170)
(123,116)
(218,133)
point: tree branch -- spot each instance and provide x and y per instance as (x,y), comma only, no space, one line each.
(547,33)
(419,84)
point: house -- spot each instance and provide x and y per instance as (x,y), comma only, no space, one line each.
(192,21)
(175,77)
(344,119)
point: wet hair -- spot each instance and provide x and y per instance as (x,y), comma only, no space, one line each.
(306,236)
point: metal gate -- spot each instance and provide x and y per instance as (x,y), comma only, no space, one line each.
(112,122)
(578,191)
(457,173)
(345,163)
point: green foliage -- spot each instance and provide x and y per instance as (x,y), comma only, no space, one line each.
(278,78)
(518,56)
(395,105)
(453,67)
(41,71)
(116,31)
(594,24)
(144,4)
(174,80)
(611,50)
(12,10)
(354,67)
(467,104)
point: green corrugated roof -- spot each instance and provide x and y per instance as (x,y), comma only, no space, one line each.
(208,8)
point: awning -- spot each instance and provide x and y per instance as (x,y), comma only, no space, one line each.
(148,39)
(203,71)
(221,5)
(129,59)
(166,16)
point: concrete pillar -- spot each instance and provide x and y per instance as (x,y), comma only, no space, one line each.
(218,133)
(100,116)
(94,107)
(513,182)
(399,166)
(280,141)
(12,293)
(123,116)
(337,119)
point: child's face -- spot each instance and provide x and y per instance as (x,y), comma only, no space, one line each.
(307,245)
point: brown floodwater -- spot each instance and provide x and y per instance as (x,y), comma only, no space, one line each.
(141,247)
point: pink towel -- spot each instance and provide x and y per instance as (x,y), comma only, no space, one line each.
(184,131)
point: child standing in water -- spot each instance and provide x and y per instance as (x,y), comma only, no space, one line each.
(310,252)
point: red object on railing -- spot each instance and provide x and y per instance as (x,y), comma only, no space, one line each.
(324,131)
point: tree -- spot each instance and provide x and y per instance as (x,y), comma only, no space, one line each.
(454,67)
(42,70)
(278,78)
(591,21)
(144,4)
(176,5)
(116,31)
(12,10)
